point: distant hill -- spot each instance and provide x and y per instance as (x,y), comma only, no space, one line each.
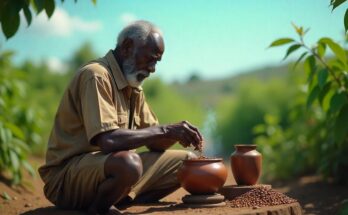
(210,92)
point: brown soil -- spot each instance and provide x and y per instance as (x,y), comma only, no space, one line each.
(314,195)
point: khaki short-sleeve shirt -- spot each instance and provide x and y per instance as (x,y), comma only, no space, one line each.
(96,100)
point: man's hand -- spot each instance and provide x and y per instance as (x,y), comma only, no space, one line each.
(185,133)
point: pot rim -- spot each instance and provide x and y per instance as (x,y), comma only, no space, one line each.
(204,160)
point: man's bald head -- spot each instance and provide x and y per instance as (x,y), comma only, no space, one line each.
(139,32)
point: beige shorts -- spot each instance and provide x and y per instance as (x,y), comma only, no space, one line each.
(81,180)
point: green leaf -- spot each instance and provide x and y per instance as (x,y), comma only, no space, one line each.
(341,125)
(281,41)
(337,101)
(39,5)
(29,168)
(14,160)
(312,96)
(299,30)
(15,130)
(27,14)
(5,196)
(94,2)
(299,59)
(310,67)
(346,21)
(323,93)
(336,49)
(21,144)
(321,49)
(322,77)
(291,49)
(49,7)
(10,24)
(336,3)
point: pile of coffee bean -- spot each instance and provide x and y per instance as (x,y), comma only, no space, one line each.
(259,197)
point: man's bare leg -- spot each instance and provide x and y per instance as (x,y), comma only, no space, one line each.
(122,169)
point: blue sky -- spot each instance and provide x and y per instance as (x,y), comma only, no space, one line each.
(215,38)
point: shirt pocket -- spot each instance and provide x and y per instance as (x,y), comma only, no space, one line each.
(122,120)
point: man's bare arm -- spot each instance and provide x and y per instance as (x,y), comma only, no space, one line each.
(157,138)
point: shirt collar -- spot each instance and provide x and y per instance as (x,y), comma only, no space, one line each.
(116,71)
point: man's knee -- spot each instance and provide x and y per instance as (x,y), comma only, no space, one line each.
(124,164)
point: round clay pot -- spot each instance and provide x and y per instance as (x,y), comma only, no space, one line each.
(202,176)
(246,164)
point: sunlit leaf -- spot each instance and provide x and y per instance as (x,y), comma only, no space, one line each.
(299,30)
(313,95)
(336,3)
(5,196)
(281,41)
(94,2)
(321,49)
(337,49)
(21,144)
(299,59)
(259,129)
(322,77)
(14,160)
(29,168)
(291,49)
(15,130)
(337,101)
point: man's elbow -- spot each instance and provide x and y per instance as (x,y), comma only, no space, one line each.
(104,142)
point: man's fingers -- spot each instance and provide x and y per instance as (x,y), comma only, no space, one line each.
(192,135)
(195,129)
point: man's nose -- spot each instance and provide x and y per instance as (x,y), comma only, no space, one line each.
(151,68)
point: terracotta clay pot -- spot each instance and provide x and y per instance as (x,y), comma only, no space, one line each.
(246,164)
(202,176)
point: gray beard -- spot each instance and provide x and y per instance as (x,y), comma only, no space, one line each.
(134,77)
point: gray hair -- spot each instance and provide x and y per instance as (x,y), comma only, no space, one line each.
(138,31)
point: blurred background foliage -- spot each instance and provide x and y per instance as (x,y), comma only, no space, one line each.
(297,116)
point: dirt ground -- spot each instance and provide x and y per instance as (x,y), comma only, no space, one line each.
(314,195)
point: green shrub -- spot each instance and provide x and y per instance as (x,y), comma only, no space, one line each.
(18,122)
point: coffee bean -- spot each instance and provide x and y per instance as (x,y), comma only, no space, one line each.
(259,197)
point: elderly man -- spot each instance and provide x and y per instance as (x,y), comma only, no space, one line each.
(91,163)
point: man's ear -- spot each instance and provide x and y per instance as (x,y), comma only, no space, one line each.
(127,47)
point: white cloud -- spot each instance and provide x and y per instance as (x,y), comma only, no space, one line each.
(56,65)
(127,18)
(61,24)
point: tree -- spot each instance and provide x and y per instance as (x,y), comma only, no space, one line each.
(327,83)
(194,77)
(10,10)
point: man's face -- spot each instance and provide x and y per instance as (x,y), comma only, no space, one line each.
(142,62)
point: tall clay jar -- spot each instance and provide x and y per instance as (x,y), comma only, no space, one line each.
(246,164)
